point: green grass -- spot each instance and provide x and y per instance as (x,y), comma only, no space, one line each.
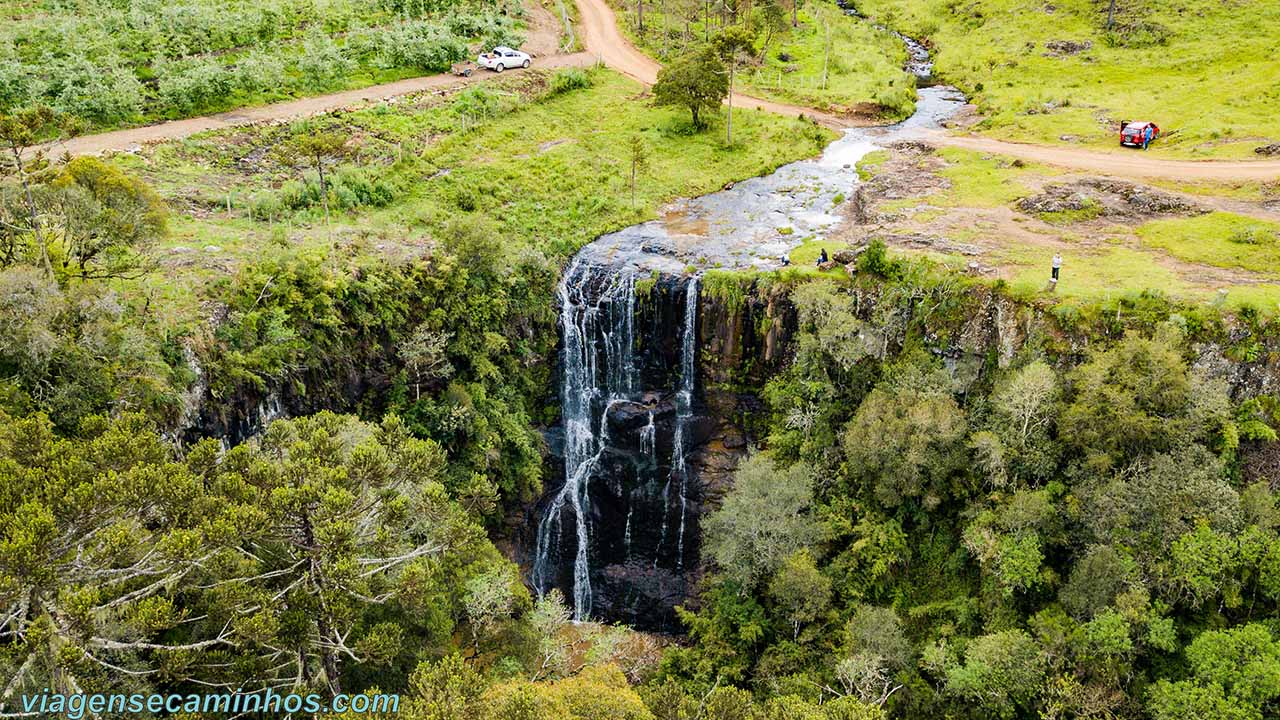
(1213,83)
(804,258)
(1220,239)
(980,180)
(549,174)
(871,163)
(863,65)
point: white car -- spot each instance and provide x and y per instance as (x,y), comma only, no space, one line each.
(502,58)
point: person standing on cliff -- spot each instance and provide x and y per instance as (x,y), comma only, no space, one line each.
(1057,265)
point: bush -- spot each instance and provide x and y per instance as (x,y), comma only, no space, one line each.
(568,80)
(102,93)
(322,63)
(259,72)
(192,87)
(1254,235)
(265,206)
(421,45)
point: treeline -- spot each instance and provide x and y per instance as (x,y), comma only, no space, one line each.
(1066,535)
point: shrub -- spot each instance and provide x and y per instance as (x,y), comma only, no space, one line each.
(1253,235)
(568,80)
(258,72)
(195,86)
(103,92)
(265,206)
(322,64)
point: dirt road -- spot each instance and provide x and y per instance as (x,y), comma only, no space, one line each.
(604,42)
(543,41)
(1123,162)
(602,38)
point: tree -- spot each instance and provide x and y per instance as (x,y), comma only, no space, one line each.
(735,45)
(697,81)
(800,591)
(1138,398)
(762,521)
(20,132)
(638,153)
(1157,501)
(425,357)
(311,148)
(1026,406)
(1235,675)
(1001,672)
(104,217)
(906,439)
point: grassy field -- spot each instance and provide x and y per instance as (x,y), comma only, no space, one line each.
(828,61)
(542,169)
(109,64)
(1205,70)
(968,202)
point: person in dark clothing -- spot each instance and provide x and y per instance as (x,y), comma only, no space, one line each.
(822,257)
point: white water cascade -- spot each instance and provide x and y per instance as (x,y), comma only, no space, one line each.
(595,308)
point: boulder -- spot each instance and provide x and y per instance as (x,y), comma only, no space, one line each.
(1268,150)
(846,255)
(1054,199)
(1067,47)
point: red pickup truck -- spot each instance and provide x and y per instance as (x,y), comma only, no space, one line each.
(1138,133)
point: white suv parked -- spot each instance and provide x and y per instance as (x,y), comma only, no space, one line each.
(502,58)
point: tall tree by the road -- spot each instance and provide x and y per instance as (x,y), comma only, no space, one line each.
(309,149)
(698,81)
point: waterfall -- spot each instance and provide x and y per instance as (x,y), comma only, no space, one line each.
(627,403)
(596,304)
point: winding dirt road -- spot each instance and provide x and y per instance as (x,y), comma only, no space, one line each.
(604,42)
(543,41)
(1123,162)
(602,38)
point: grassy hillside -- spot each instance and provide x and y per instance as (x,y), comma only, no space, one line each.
(1203,69)
(827,60)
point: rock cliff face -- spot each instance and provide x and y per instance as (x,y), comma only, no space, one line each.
(657,398)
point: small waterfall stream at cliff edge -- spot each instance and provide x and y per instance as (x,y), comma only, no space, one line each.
(620,535)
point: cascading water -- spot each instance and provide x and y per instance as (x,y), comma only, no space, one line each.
(628,407)
(594,309)
(684,413)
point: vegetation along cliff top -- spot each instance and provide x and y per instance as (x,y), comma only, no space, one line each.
(755,360)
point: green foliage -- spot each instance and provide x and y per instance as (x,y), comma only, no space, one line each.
(1138,397)
(698,82)
(906,439)
(131,64)
(763,521)
(1001,672)
(568,80)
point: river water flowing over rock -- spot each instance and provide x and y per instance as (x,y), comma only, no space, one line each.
(619,534)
